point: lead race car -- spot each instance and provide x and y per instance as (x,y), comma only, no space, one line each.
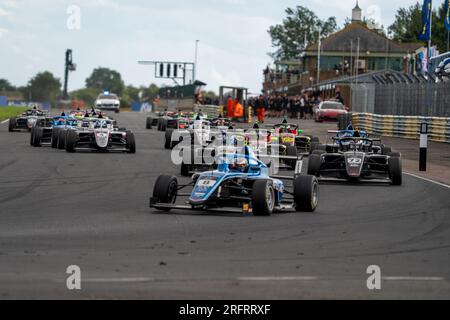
(356,159)
(99,135)
(241,184)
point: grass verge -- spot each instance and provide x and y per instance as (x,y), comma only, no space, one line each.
(10,112)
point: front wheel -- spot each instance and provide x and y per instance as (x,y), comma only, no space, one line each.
(168,139)
(396,171)
(37,134)
(131,143)
(12,125)
(166,190)
(55,134)
(263,198)
(306,193)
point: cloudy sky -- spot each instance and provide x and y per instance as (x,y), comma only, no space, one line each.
(34,35)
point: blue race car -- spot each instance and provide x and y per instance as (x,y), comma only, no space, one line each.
(45,132)
(241,184)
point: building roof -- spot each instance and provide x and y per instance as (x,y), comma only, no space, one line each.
(370,41)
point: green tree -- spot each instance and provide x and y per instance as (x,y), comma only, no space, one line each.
(44,87)
(300,24)
(106,79)
(408,24)
(5,85)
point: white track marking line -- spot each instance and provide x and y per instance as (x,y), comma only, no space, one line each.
(5,121)
(257,279)
(428,180)
(413,279)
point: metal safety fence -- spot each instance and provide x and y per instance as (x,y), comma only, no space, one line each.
(405,99)
(398,126)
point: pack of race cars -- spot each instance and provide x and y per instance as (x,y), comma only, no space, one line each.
(237,170)
(228,169)
(91,131)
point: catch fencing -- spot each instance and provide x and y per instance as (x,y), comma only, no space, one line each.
(403,99)
(399,126)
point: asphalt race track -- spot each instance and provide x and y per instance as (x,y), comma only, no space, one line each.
(91,210)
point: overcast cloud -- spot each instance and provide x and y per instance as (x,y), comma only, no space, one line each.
(117,33)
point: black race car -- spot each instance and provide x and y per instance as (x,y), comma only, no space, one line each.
(356,159)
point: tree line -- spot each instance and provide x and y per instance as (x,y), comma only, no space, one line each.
(45,87)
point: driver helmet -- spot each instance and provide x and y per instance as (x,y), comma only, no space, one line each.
(239,164)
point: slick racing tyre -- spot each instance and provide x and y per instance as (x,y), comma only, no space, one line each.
(291,152)
(149,124)
(71,141)
(131,143)
(37,133)
(185,169)
(314,165)
(62,136)
(263,198)
(386,150)
(165,190)
(55,135)
(168,139)
(396,171)
(306,193)
(12,124)
(32,138)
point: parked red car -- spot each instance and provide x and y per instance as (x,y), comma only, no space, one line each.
(330,111)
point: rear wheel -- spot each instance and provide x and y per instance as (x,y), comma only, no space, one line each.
(71,141)
(62,137)
(12,124)
(314,164)
(163,124)
(131,143)
(263,198)
(165,190)
(291,152)
(306,193)
(185,169)
(149,123)
(168,139)
(55,134)
(395,171)
(386,150)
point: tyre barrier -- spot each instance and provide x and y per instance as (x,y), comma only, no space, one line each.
(407,127)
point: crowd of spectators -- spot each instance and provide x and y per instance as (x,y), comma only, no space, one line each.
(282,105)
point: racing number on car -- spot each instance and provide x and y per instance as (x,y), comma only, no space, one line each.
(355,161)
(206,183)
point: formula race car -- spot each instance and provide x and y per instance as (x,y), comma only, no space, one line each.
(102,136)
(356,159)
(171,120)
(45,132)
(241,184)
(27,120)
(289,135)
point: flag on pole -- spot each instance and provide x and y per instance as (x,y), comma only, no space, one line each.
(447,14)
(427,10)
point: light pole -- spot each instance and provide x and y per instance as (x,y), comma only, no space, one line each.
(196,59)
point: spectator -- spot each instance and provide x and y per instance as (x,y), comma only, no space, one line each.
(339,97)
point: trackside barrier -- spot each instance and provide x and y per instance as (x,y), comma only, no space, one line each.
(402,126)
(210,111)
